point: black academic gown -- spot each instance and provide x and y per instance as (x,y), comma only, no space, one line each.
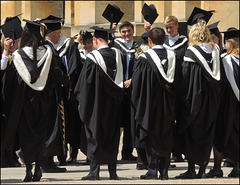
(179,48)
(55,144)
(226,137)
(153,99)
(99,100)
(200,96)
(31,111)
(69,53)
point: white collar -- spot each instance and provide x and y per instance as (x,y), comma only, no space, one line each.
(207,48)
(174,38)
(29,51)
(104,46)
(158,47)
(127,44)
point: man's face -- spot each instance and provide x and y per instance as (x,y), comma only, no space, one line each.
(172,29)
(57,35)
(127,33)
(87,45)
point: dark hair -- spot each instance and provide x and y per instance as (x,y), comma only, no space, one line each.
(33,39)
(126,24)
(157,35)
(219,35)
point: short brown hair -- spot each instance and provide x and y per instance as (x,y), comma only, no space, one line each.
(171,20)
(126,24)
(157,35)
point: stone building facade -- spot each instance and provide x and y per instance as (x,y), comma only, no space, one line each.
(84,14)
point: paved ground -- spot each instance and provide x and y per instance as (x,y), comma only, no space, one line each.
(126,171)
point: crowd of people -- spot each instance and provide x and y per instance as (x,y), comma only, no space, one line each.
(173,93)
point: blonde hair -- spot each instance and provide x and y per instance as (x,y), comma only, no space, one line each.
(199,33)
(233,46)
(170,20)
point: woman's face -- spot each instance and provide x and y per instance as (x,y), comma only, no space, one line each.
(14,46)
(215,39)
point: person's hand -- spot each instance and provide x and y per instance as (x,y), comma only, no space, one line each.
(127,83)
(37,20)
(147,26)
(3,21)
(7,44)
(80,35)
(114,26)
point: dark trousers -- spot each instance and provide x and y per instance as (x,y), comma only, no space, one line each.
(95,168)
(155,162)
(127,147)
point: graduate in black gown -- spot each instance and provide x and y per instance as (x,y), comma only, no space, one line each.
(178,43)
(226,140)
(70,57)
(34,80)
(99,91)
(12,32)
(56,136)
(200,96)
(153,98)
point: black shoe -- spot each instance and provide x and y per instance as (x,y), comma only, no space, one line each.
(148,176)
(178,159)
(163,177)
(212,173)
(234,173)
(129,158)
(63,163)
(90,177)
(72,161)
(37,175)
(28,177)
(187,175)
(114,177)
(54,169)
(141,167)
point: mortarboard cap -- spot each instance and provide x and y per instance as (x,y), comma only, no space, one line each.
(87,35)
(53,23)
(182,29)
(12,28)
(113,13)
(149,13)
(230,33)
(101,32)
(213,27)
(33,27)
(199,13)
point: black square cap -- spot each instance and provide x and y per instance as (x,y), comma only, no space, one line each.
(113,13)
(33,27)
(199,13)
(182,29)
(52,22)
(213,27)
(12,28)
(231,33)
(10,18)
(87,35)
(149,13)
(102,32)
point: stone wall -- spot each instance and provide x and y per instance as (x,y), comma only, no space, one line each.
(83,14)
